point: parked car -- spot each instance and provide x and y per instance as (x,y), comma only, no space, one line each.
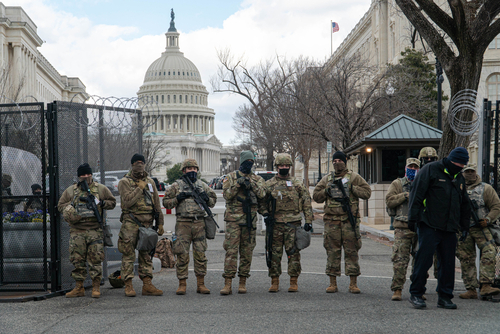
(112,183)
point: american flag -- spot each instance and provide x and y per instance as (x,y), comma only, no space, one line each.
(335,26)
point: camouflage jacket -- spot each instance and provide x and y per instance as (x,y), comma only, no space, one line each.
(187,208)
(292,199)
(486,198)
(397,198)
(357,186)
(135,200)
(234,194)
(71,196)
(8,204)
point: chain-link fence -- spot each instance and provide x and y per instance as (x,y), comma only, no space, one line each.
(40,153)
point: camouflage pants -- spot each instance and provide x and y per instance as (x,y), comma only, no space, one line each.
(284,235)
(405,241)
(339,234)
(190,231)
(127,240)
(86,246)
(237,240)
(466,253)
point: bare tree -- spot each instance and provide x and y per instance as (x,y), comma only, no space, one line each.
(154,152)
(458,33)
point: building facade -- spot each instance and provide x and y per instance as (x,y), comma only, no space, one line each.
(26,75)
(184,122)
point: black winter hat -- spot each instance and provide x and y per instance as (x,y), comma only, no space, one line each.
(459,155)
(36,186)
(83,169)
(340,155)
(137,157)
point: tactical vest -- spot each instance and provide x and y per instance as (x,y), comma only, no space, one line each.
(188,208)
(80,206)
(144,205)
(476,195)
(336,192)
(402,210)
(234,206)
(288,204)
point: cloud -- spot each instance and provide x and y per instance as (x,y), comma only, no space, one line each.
(110,63)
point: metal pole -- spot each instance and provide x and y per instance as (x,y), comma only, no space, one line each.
(496,154)
(319,165)
(439,81)
(139,129)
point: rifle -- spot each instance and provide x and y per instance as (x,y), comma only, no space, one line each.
(346,205)
(270,221)
(247,209)
(475,218)
(202,202)
(90,201)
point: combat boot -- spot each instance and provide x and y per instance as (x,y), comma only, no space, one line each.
(353,287)
(201,288)
(148,289)
(96,285)
(129,288)
(293,284)
(242,287)
(78,291)
(469,294)
(181,290)
(396,295)
(226,290)
(488,290)
(275,284)
(333,285)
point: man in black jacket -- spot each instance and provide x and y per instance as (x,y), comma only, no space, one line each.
(439,207)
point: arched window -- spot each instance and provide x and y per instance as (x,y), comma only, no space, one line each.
(163,99)
(186,98)
(493,83)
(191,99)
(180,98)
(495,43)
(168,98)
(174,98)
(196,99)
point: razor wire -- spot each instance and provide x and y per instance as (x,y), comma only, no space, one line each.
(463,103)
(95,112)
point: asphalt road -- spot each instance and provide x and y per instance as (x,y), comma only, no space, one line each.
(258,311)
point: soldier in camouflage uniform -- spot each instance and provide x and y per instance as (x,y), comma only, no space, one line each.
(237,186)
(190,225)
(488,211)
(292,200)
(426,155)
(86,237)
(338,230)
(405,241)
(8,204)
(139,201)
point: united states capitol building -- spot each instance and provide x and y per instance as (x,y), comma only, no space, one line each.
(184,122)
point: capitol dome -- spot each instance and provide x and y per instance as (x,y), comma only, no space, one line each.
(180,120)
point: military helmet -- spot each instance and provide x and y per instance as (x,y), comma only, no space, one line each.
(189,163)
(70,215)
(413,161)
(428,152)
(116,280)
(283,159)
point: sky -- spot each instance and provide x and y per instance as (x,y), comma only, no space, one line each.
(109,44)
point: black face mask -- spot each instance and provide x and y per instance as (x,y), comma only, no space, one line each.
(283,171)
(451,167)
(192,176)
(246,166)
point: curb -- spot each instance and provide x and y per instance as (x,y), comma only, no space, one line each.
(376,232)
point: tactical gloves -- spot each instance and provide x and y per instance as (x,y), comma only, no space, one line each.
(412,225)
(160,230)
(483,223)
(141,184)
(183,196)
(204,197)
(464,236)
(244,182)
(308,227)
(328,191)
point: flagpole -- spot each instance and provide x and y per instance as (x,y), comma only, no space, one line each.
(331,37)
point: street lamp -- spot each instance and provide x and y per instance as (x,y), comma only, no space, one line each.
(439,81)
(390,91)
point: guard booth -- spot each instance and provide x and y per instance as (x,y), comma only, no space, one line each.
(45,145)
(380,158)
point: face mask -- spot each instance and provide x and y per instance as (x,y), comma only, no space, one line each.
(88,179)
(339,166)
(192,176)
(246,166)
(283,171)
(411,173)
(470,178)
(138,168)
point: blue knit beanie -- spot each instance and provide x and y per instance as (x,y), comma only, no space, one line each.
(459,155)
